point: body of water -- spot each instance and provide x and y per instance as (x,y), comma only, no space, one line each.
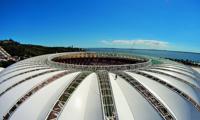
(153,53)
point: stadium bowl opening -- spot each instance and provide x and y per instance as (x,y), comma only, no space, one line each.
(98,61)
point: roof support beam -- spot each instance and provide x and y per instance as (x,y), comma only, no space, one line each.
(157,105)
(26,79)
(59,105)
(21,73)
(171,87)
(165,69)
(32,91)
(108,104)
(177,78)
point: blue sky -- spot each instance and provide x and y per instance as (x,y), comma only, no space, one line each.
(157,24)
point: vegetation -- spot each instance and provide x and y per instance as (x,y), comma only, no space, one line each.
(5,64)
(186,62)
(23,51)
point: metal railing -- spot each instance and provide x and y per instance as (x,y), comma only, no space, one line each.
(157,104)
(21,73)
(26,79)
(59,105)
(33,91)
(171,87)
(174,71)
(21,68)
(145,62)
(107,100)
(177,78)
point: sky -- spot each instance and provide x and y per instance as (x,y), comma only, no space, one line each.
(143,24)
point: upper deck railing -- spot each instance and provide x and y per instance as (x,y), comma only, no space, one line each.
(144,61)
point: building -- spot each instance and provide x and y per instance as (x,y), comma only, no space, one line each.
(3,53)
(4,56)
(97,86)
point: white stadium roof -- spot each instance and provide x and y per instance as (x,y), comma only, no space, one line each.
(1,69)
(39,88)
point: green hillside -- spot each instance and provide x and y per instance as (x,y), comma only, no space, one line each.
(26,50)
(23,51)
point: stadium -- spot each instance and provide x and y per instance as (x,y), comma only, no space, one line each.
(98,86)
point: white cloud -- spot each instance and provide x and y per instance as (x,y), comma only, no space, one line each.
(157,44)
(106,42)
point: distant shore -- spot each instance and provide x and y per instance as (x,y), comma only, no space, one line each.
(186,62)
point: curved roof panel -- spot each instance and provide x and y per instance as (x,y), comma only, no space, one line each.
(39,88)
